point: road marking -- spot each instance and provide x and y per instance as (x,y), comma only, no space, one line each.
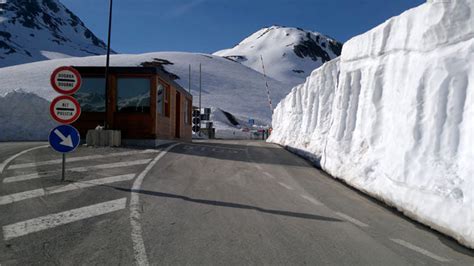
(268,174)
(21,196)
(419,250)
(285,186)
(312,200)
(11,158)
(188,146)
(11,179)
(53,220)
(8,199)
(352,220)
(78,159)
(109,165)
(258,166)
(135,215)
(25,177)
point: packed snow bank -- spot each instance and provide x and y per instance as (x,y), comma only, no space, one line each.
(394,115)
(225,84)
(24,116)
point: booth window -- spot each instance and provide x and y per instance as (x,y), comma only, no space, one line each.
(160,98)
(167,101)
(91,96)
(133,95)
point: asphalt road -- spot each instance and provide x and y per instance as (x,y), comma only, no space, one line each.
(205,203)
(8,149)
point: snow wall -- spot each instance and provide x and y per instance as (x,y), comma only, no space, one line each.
(394,115)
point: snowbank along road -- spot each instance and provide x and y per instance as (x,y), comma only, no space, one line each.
(219,202)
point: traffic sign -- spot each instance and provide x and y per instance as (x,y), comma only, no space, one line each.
(65,109)
(66,80)
(64,138)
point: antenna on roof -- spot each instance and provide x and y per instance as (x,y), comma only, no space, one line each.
(189,87)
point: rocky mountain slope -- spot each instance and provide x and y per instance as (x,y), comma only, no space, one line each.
(289,54)
(34,30)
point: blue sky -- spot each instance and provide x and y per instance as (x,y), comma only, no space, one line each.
(209,25)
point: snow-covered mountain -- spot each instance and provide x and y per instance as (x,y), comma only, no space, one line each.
(394,115)
(34,30)
(227,85)
(289,54)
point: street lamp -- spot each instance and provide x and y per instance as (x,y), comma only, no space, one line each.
(107,67)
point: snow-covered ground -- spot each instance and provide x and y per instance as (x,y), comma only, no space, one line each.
(226,84)
(394,116)
(289,54)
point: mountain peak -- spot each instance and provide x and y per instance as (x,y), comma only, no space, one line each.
(290,54)
(34,30)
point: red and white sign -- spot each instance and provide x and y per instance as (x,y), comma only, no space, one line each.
(66,80)
(65,109)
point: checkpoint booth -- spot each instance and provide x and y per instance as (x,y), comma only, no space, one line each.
(144,103)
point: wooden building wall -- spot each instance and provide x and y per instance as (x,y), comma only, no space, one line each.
(142,125)
(166,126)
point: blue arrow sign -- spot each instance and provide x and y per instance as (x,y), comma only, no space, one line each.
(64,138)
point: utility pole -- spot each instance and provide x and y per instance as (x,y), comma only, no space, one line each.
(200,89)
(189,87)
(107,63)
(266,84)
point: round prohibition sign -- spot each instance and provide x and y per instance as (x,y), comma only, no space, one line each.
(66,80)
(65,109)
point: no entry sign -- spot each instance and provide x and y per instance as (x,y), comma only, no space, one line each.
(66,80)
(65,109)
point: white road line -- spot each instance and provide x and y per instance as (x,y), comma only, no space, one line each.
(419,250)
(26,177)
(268,174)
(209,146)
(352,220)
(18,178)
(285,186)
(21,196)
(135,215)
(78,159)
(11,158)
(312,200)
(8,199)
(109,165)
(53,220)
(90,183)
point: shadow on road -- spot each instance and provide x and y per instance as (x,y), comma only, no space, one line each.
(234,205)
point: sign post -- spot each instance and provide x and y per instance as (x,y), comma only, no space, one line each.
(64,139)
(65,110)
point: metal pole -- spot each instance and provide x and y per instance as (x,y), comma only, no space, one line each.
(189,87)
(200,88)
(63,176)
(107,67)
(266,84)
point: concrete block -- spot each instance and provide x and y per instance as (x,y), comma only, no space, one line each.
(103,138)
